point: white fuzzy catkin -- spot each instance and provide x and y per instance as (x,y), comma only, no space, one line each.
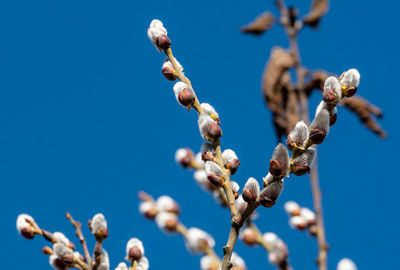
(199,160)
(134,242)
(104,261)
(61,238)
(206,262)
(291,207)
(178,88)
(346,264)
(195,238)
(235,186)
(333,83)
(297,221)
(61,250)
(122,266)
(270,238)
(143,264)
(53,262)
(98,223)
(213,168)
(22,223)
(201,178)
(162,219)
(208,109)
(240,203)
(165,203)
(351,78)
(167,63)
(308,215)
(253,186)
(182,153)
(155,31)
(282,155)
(237,261)
(307,158)
(203,122)
(300,133)
(321,121)
(228,155)
(146,206)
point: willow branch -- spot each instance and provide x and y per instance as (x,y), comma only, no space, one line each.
(78,232)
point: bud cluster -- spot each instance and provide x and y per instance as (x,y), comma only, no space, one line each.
(300,218)
(135,255)
(346,264)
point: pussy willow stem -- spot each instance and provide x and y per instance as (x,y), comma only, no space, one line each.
(315,189)
(78,232)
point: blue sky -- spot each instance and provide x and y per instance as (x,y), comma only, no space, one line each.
(87,120)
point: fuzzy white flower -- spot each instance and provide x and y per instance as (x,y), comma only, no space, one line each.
(207,262)
(208,109)
(62,239)
(346,264)
(270,238)
(271,193)
(235,186)
(104,261)
(269,178)
(166,204)
(350,79)
(155,31)
(134,242)
(164,220)
(167,63)
(184,94)
(302,164)
(240,204)
(196,239)
(251,190)
(298,136)
(292,208)
(146,206)
(56,263)
(237,261)
(199,160)
(308,215)
(24,227)
(228,155)
(213,168)
(99,223)
(122,266)
(298,222)
(184,157)
(201,178)
(143,264)
(279,164)
(61,250)
(207,148)
(319,127)
(332,90)
(209,128)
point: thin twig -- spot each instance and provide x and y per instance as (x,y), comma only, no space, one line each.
(78,232)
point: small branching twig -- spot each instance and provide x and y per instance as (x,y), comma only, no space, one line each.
(78,232)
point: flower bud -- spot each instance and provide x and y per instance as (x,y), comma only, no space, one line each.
(308,215)
(197,241)
(47,250)
(248,237)
(209,129)
(167,222)
(279,164)
(298,136)
(168,69)
(208,152)
(241,205)
(143,264)
(269,178)
(198,159)
(298,222)
(332,91)
(209,263)
(158,35)
(270,194)
(302,164)
(201,178)
(214,174)
(24,226)
(167,204)
(271,239)
(319,127)
(134,249)
(231,161)
(292,208)
(122,266)
(98,226)
(59,237)
(349,81)
(251,190)
(346,264)
(235,189)
(332,112)
(184,157)
(148,209)
(237,262)
(209,110)
(184,94)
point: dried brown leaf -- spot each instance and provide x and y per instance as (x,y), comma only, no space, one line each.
(260,24)
(318,10)
(316,81)
(277,91)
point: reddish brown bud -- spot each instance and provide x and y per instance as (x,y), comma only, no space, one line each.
(351,92)
(300,170)
(170,225)
(215,180)
(163,42)
(59,264)
(270,194)
(233,166)
(214,131)
(47,250)
(289,143)
(275,168)
(317,135)
(151,214)
(249,238)
(186,97)
(168,73)
(207,156)
(236,194)
(134,253)
(332,119)
(329,96)
(248,196)
(28,233)
(67,259)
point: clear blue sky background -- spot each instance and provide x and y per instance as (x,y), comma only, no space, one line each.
(87,120)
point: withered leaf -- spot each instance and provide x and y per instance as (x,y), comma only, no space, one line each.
(318,10)
(260,24)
